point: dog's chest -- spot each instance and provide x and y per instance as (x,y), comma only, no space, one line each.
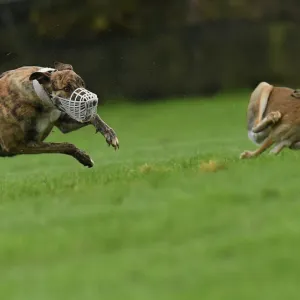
(46,119)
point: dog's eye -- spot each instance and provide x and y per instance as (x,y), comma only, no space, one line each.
(67,89)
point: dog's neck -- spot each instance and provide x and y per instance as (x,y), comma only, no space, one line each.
(40,91)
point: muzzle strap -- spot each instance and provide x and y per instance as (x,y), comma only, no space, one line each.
(40,91)
(42,94)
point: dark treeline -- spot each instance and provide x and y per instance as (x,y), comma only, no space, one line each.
(150,49)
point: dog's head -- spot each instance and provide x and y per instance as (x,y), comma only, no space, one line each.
(60,83)
(66,91)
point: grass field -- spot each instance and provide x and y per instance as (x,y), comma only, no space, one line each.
(155,220)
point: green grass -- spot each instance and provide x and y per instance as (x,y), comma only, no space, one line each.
(151,221)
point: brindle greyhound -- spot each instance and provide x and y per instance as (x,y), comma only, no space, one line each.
(26,120)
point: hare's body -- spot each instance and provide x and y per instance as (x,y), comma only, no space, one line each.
(273,119)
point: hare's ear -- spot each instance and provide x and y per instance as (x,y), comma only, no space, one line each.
(61,66)
(41,77)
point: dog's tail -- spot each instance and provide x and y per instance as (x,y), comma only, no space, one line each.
(258,103)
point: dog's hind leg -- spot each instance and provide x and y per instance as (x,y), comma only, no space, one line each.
(268,142)
(60,148)
(271,119)
(6,154)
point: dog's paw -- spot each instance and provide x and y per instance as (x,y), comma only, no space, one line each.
(111,139)
(246,154)
(84,158)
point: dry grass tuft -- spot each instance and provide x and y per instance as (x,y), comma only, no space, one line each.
(147,168)
(212,166)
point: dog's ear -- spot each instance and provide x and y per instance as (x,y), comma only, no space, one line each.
(61,66)
(41,77)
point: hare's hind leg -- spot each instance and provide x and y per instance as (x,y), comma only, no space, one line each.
(263,129)
(271,119)
(295,146)
(280,146)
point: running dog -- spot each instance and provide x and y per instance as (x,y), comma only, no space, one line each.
(273,119)
(27,116)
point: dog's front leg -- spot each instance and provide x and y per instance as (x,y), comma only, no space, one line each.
(60,148)
(106,131)
(66,124)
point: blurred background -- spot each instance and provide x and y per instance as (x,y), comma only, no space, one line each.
(174,214)
(148,50)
